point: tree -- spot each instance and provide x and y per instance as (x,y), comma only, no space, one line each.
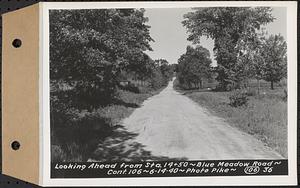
(275,59)
(194,66)
(89,48)
(165,68)
(250,60)
(226,25)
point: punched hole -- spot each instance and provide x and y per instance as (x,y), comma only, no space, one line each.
(17,43)
(15,145)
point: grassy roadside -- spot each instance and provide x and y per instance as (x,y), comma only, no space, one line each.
(265,116)
(79,132)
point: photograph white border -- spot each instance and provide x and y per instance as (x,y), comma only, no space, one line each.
(45,157)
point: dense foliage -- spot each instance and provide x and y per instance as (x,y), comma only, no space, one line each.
(264,58)
(226,26)
(193,67)
(95,55)
(275,59)
(238,98)
(89,48)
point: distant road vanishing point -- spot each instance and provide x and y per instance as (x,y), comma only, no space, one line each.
(172,125)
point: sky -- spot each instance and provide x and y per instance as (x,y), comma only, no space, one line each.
(171,37)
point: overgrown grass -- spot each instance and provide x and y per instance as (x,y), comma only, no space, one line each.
(76,133)
(265,116)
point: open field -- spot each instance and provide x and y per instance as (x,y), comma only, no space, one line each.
(265,116)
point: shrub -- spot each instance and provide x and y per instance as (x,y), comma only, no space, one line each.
(284,98)
(75,133)
(238,98)
(130,87)
(251,92)
(220,88)
(229,87)
(57,154)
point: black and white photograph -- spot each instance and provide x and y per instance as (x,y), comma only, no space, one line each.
(132,86)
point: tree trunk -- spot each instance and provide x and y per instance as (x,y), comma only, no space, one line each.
(237,85)
(258,86)
(201,84)
(272,85)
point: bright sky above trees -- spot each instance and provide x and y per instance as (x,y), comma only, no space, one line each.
(170,35)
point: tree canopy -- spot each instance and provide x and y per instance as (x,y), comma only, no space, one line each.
(226,26)
(194,66)
(275,59)
(89,48)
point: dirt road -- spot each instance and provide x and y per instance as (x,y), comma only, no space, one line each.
(170,125)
